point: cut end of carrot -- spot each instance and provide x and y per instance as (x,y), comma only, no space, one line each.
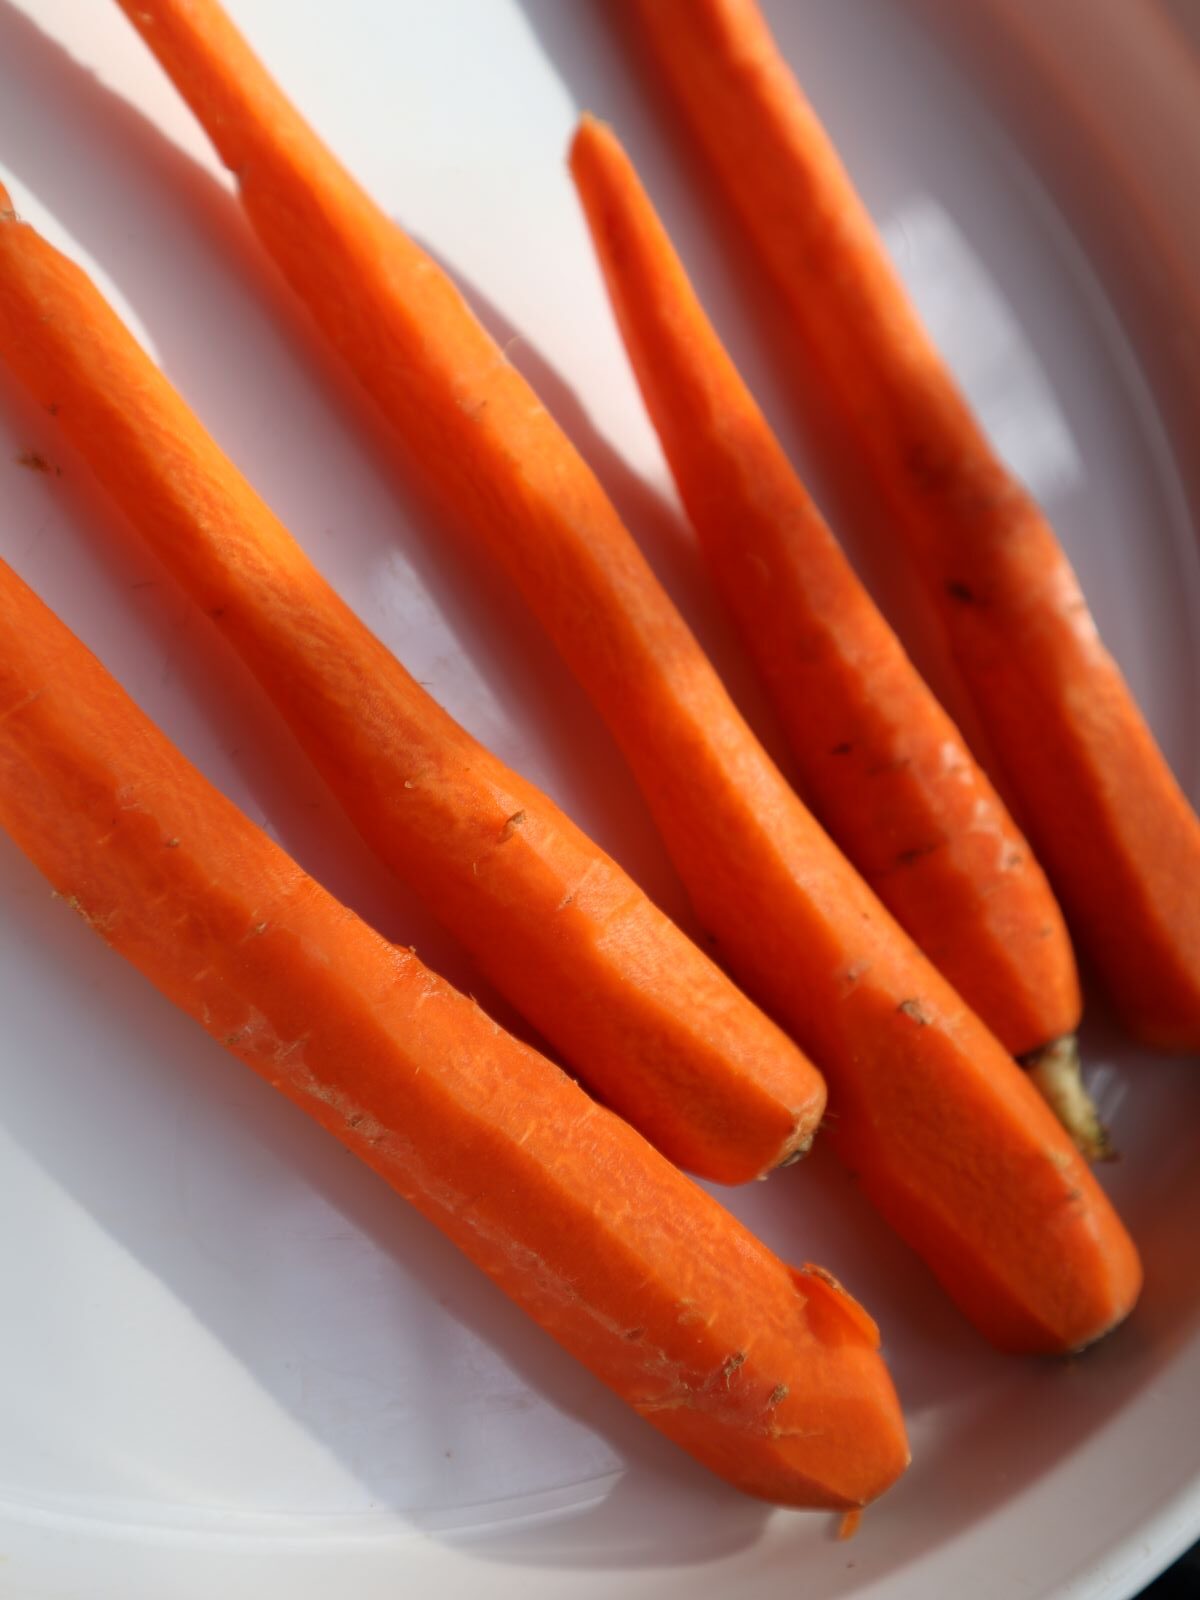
(1055,1072)
(796,1151)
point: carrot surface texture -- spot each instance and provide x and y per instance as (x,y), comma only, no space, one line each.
(946,1135)
(771,1377)
(645,1017)
(889,774)
(1107,818)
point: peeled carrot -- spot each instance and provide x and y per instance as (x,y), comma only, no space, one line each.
(889,774)
(949,1139)
(1106,816)
(769,1377)
(647,1018)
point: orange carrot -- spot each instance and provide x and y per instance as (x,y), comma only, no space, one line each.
(949,1139)
(649,1021)
(889,774)
(1106,816)
(770,1377)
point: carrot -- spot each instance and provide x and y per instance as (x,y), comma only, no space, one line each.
(888,772)
(770,1377)
(650,1022)
(1105,815)
(949,1139)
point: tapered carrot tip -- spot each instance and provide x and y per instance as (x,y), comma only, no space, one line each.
(837,1443)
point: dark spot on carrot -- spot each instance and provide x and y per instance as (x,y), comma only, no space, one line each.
(960,592)
(842,749)
(915,1010)
(635,1334)
(778,1394)
(907,857)
(34,461)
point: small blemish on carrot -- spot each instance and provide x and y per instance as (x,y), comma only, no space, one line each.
(731,1364)
(34,461)
(915,1010)
(960,592)
(906,858)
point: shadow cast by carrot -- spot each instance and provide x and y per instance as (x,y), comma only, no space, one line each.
(173,239)
(119,1156)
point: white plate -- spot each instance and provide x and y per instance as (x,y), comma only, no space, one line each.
(232,1363)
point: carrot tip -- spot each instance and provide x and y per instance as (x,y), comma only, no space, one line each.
(1055,1072)
(848,1525)
(588,129)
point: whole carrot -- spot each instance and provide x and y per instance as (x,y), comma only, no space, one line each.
(889,774)
(770,1377)
(1104,812)
(648,1020)
(947,1136)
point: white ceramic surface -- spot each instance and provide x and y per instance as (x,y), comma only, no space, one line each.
(232,1363)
